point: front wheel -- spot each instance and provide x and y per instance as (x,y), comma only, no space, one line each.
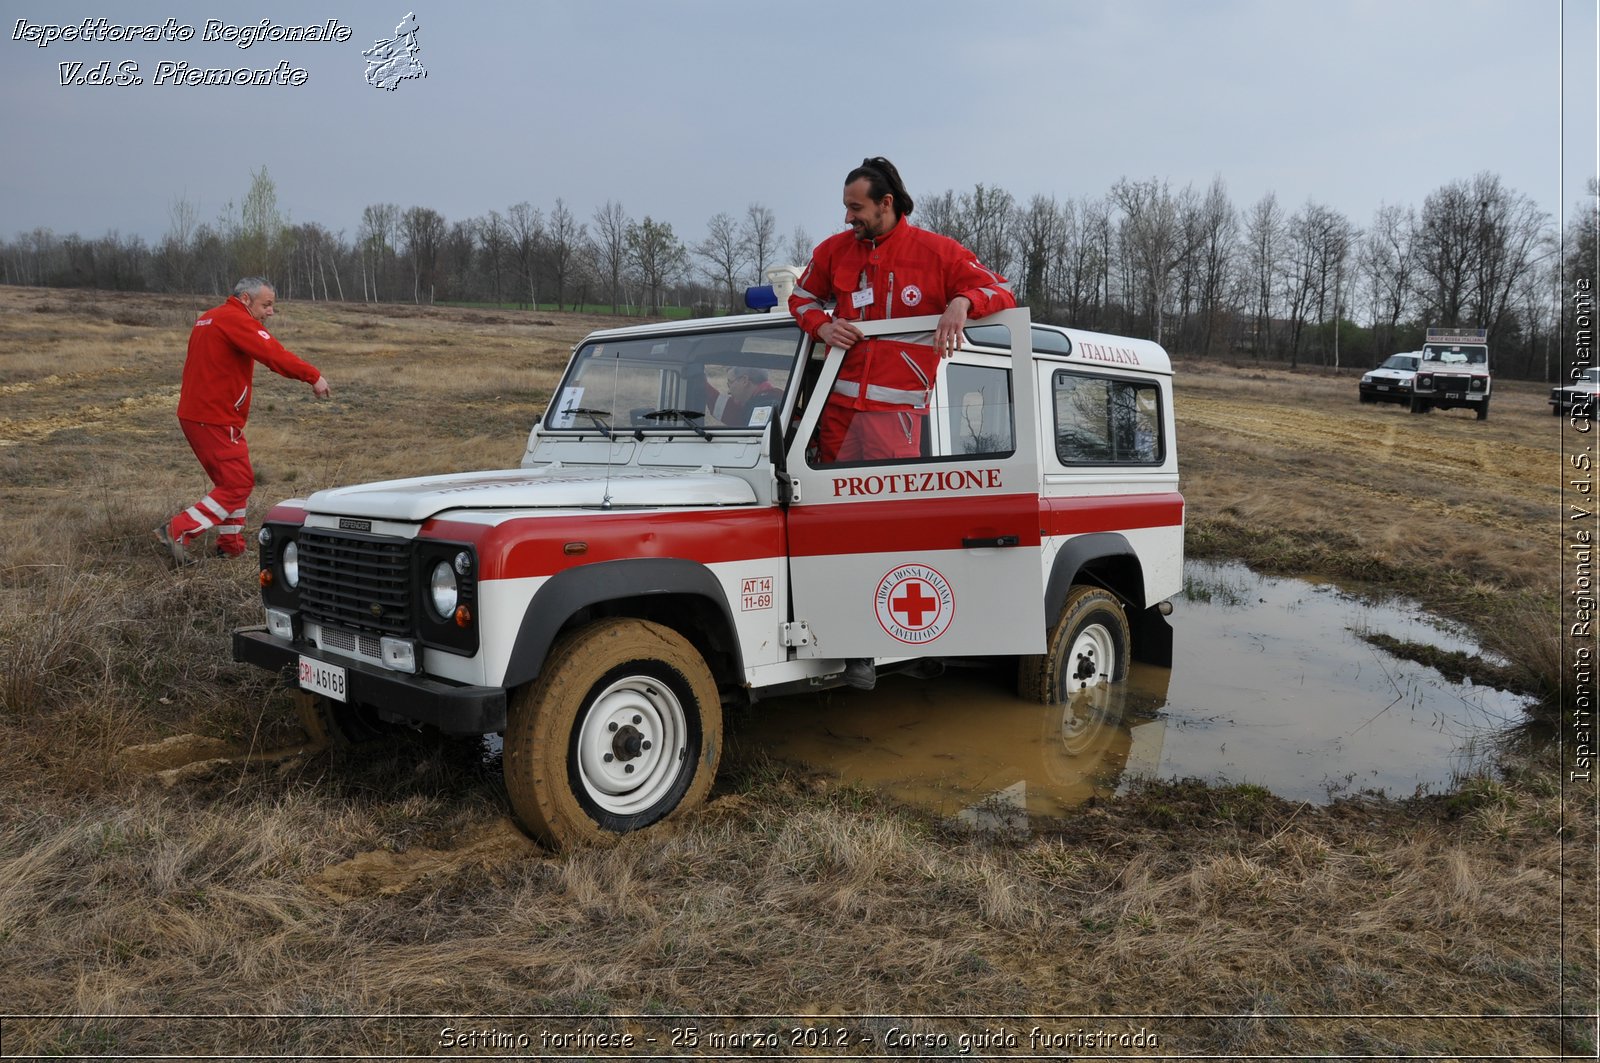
(1088,646)
(1483,411)
(334,724)
(622,728)
(1419,405)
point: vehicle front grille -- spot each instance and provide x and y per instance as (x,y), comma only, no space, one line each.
(349,643)
(1450,382)
(357,582)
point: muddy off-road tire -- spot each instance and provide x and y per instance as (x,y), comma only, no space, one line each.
(1420,405)
(622,728)
(1483,411)
(1088,645)
(333,724)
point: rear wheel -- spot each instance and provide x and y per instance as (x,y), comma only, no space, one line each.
(622,728)
(1088,646)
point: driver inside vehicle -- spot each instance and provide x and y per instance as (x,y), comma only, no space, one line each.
(750,400)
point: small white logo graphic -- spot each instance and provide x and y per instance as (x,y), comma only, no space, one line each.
(915,604)
(393,61)
(263,333)
(911,295)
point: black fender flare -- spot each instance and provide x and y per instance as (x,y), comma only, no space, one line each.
(1152,634)
(1079,551)
(567,592)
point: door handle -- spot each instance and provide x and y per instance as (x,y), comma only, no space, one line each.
(998,540)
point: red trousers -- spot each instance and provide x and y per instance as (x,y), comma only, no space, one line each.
(225,456)
(847,434)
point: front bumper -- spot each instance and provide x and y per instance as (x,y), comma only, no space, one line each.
(1447,400)
(1385,391)
(451,707)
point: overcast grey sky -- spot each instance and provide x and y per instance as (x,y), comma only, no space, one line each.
(683,108)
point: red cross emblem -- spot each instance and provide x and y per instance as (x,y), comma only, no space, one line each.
(913,603)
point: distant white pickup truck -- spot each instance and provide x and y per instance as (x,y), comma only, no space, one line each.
(1391,381)
(1579,397)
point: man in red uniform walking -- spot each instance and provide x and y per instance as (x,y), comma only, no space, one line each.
(213,405)
(883,267)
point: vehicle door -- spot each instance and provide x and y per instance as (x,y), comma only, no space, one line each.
(937,555)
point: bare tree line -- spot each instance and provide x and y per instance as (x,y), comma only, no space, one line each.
(1182,266)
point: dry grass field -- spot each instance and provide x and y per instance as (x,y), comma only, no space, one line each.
(170,846)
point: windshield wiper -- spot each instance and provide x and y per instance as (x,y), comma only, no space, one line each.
(594,415)
(690,416)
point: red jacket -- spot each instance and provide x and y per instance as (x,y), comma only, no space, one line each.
(224,348)
(727,409)
(910,272)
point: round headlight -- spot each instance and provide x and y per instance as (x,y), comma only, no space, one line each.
(442,589)
(290,563)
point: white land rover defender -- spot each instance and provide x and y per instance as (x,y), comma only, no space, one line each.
(650,563)
(1454,372)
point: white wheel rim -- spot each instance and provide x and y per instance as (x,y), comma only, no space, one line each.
(1091,659)
(631,745)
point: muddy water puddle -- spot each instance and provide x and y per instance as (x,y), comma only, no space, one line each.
(1271,684)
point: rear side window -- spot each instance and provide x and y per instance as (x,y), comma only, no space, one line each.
(1106,421)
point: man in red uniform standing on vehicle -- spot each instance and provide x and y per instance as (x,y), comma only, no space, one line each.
(213,405)
(884,267)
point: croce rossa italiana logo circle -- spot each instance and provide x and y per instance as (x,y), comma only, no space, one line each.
(915,604)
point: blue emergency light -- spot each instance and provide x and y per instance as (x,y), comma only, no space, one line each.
(760,297)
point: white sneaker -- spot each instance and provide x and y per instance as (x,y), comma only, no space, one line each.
(180,556)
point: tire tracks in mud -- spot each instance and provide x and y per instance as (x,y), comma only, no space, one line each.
(55,380)
(1442,468)
(28,429)
(380,872)
(192,759)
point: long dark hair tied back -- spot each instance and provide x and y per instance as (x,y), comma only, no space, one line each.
(882,180)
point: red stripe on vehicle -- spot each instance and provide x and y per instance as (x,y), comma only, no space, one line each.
(911,525)
(1099,513)
(538,546)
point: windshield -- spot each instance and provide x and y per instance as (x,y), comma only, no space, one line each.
(1456,355)
(719,380)
(1400,361)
